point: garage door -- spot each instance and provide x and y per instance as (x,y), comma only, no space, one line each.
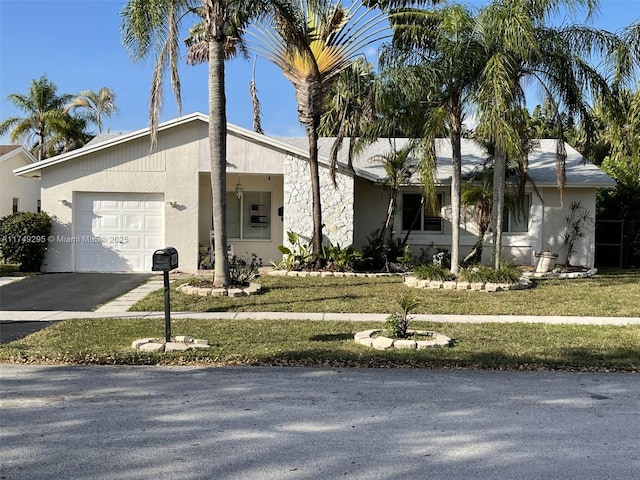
(118,232)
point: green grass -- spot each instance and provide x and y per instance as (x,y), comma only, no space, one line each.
(330,344)
(613,293)
(8,269)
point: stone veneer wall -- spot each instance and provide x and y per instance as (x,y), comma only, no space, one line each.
(337,203)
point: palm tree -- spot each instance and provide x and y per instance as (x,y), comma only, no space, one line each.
(44,111)
(444,47)
(312,41)
(521,47)
(97,105)
(151,27)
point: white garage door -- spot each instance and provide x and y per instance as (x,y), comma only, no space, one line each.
(118,232)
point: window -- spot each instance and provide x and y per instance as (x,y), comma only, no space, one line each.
(39,207)
(249,217)
(14,208)
(426,219)
(515,221)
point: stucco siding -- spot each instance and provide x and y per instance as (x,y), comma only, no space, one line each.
(178,182)
(26,190)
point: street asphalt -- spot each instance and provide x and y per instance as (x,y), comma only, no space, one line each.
(277,423)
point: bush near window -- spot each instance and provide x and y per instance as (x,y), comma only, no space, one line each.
(24,239)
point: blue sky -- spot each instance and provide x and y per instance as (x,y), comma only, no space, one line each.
(77,45)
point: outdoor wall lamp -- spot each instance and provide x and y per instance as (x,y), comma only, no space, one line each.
(239,190)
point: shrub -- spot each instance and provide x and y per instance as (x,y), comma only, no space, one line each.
(340,259)
(433,272)
(484,273)
(243,269)
(397,324)
(24,239)
(297,257)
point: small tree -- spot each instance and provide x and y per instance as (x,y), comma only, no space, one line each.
(577,221)
(24,238)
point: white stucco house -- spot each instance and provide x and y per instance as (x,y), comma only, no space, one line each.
(17,194)
(114,202)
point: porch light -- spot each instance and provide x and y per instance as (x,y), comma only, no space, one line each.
(239,190)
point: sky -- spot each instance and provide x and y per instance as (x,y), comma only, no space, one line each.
(77,45)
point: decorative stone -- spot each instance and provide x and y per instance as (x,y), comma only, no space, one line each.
(200,341)
(449,285)
(218,292)
(136,344)
(204,292)
(423,284)
(175,347)
(477,286)
(365,341)
(326,274)
(152,347)
(410,344)
(235,292)
(436,284)
(184,338)
(364,334)
(314,274)
(197,346)
(463,285)
(382,343)
(491,287)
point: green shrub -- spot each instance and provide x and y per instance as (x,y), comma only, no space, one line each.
(433,272)
(243,269)
(484,273)
(298,257)
(397,324)
(340,259)
(24,239)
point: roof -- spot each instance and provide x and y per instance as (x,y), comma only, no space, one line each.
(542,168)
(4,149)
(542,161)
(10,151)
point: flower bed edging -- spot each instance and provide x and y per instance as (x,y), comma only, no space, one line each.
(414,282)
(380,342)
(188,289)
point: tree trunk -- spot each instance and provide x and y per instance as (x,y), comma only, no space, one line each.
(312,134)
(499,175)
(456,179)
(218,156)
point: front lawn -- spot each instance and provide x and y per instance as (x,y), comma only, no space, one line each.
(330,344)
(612,293)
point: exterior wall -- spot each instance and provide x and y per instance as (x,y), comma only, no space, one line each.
(337,203)
(27,190)
(556,210)
(171,169)
(547,223)
(265,249)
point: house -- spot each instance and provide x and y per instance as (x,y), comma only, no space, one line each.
(17,194)
(114,201)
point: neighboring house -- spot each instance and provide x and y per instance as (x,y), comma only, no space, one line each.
(17,194)
(114,202)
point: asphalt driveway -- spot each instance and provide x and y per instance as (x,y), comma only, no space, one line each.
(77,292)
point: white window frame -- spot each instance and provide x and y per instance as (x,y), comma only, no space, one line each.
(269,216)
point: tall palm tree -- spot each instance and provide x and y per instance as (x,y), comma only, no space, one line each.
(443,45)
(43,107)
(96,104)
(521,48)
(312,41)
(152,28)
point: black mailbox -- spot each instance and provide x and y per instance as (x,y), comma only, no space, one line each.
(165,259)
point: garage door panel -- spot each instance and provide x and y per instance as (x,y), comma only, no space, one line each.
(117,232)
(131,222)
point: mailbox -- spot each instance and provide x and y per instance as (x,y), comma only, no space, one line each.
(165,259)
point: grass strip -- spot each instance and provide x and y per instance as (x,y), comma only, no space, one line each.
(512,346)
(614,293)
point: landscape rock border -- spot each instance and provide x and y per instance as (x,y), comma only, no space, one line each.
(327,273)
(179,343)
(415,282)
(251,289)
(370,338)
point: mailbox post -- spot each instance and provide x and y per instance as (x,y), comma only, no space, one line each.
(164,260)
